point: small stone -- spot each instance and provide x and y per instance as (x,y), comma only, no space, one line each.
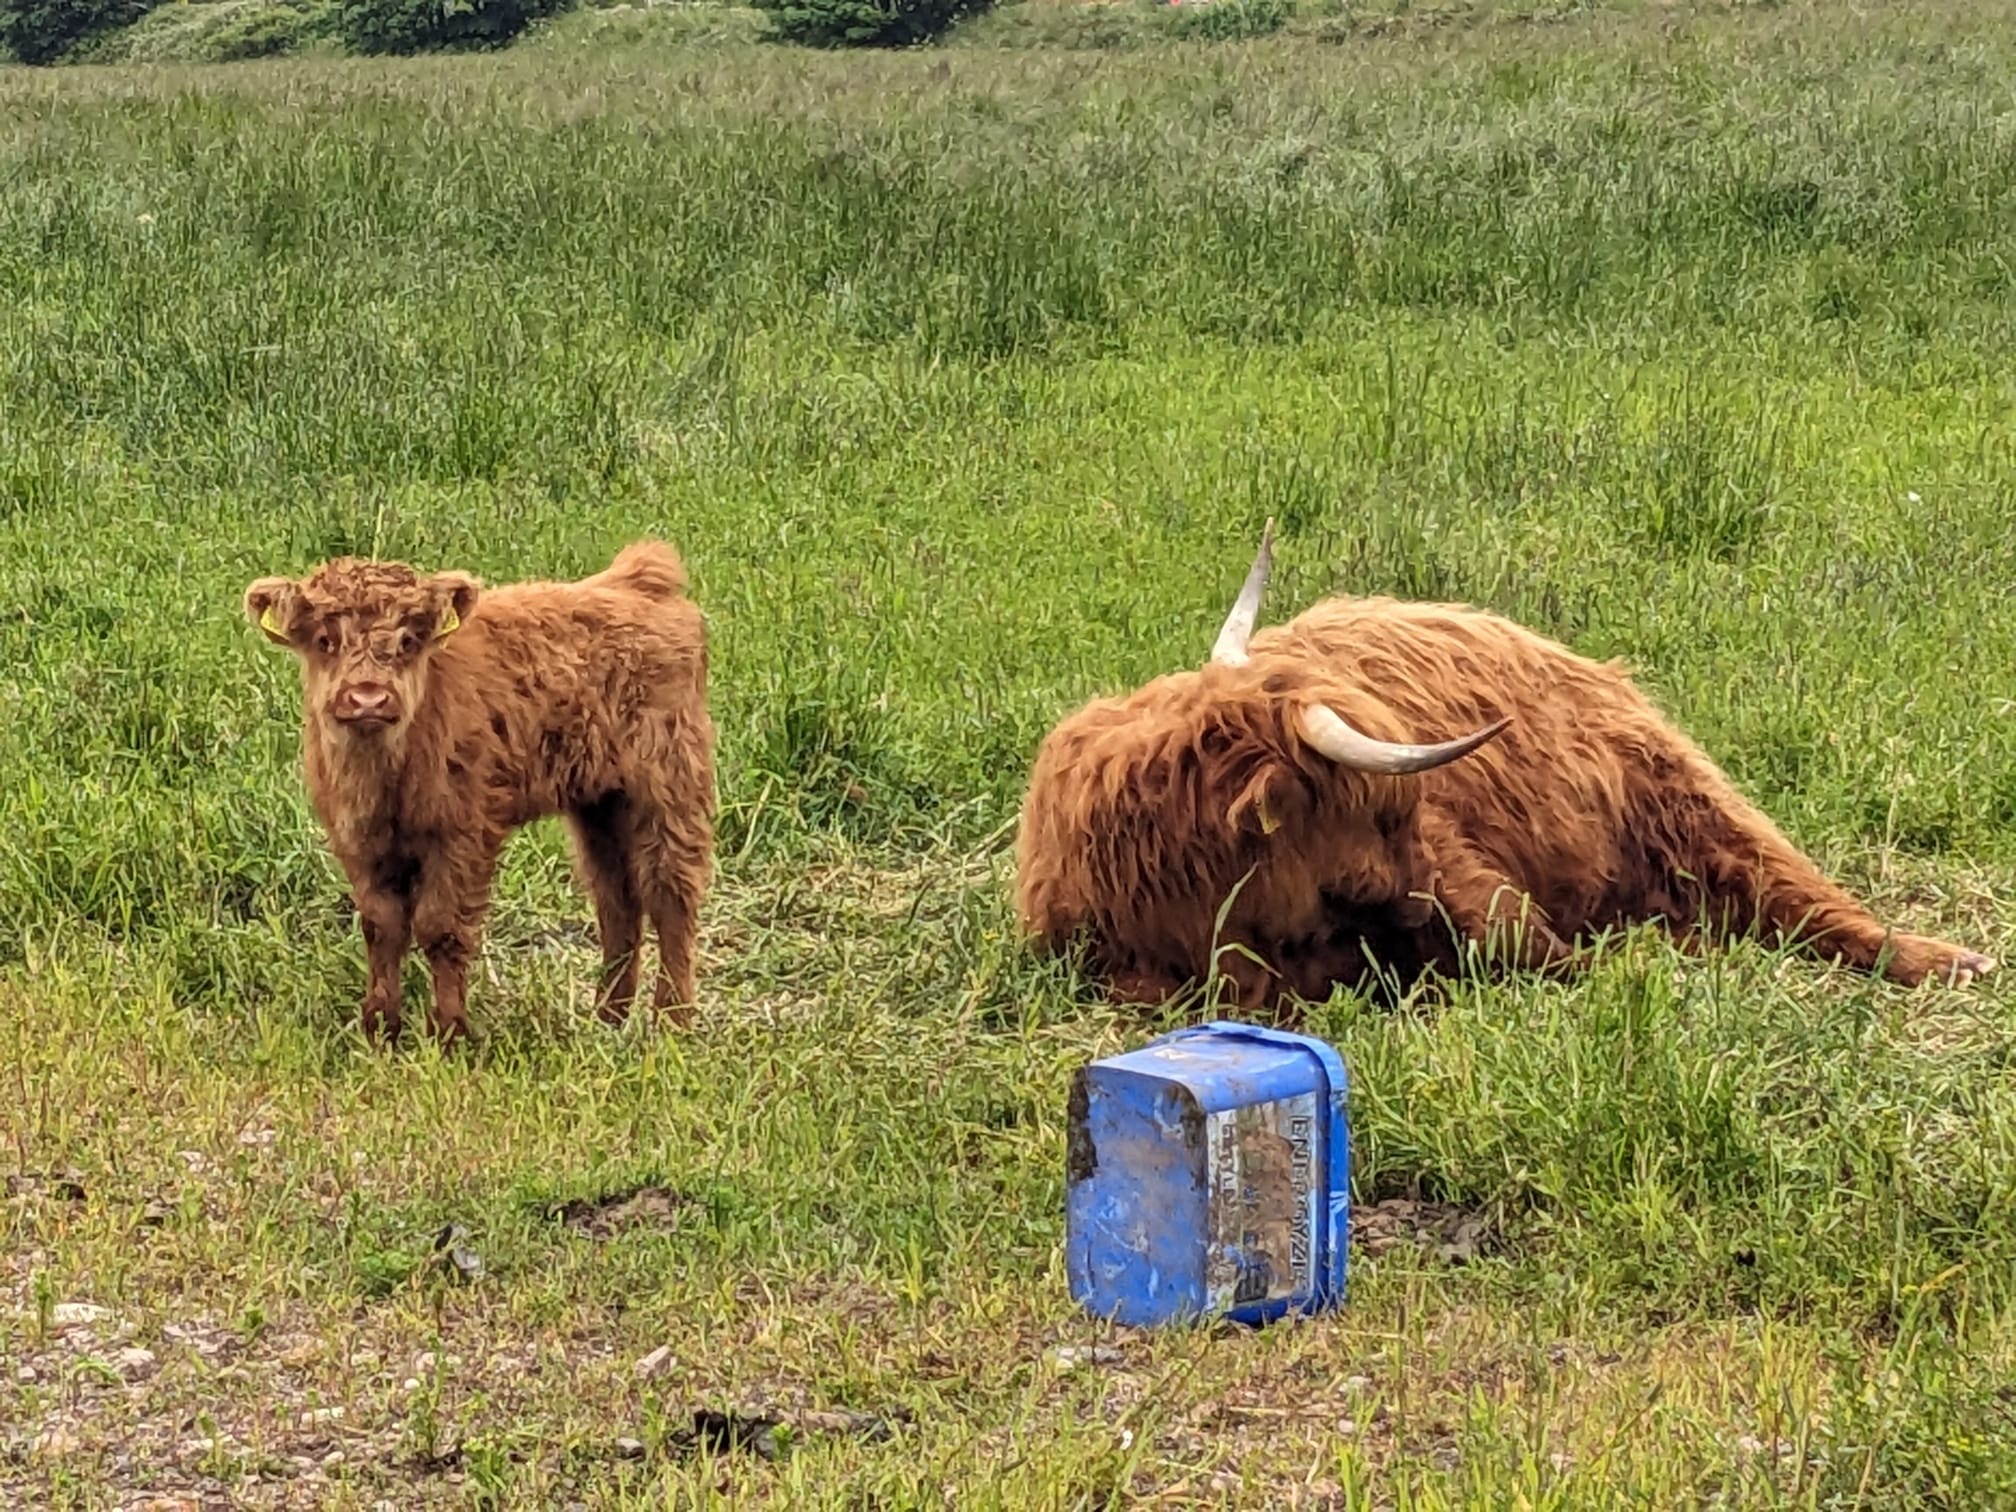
(411,1384)
(1346,1427)
(25,1375)
(655,1364)
(135,1364)
(1067,1357)
(53,1443)
(424,1363)
(199,1337)
(332,1459)
(629,1448)
(77,1314)
(1357,1383)
(320,1416)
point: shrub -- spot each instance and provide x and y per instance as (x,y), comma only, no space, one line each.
(268,31)
(1231,20)
(414,26)
(863,23)
(219,31)
(42,31)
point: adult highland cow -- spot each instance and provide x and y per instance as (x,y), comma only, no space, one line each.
(1271,787)
(441,716)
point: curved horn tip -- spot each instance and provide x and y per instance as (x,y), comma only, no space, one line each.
(1330,734)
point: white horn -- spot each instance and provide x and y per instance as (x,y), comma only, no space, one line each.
(1327,732)
(1230,649)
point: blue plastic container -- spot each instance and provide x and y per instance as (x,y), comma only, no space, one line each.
(1208,1174)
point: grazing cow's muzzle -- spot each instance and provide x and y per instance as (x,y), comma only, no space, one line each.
(366,706)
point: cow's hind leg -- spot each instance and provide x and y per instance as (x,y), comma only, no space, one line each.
(1802,907)
(602,856)
(1753,877)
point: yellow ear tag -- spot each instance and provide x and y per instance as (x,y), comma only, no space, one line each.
(270,623)
(1268,823)
(450,623)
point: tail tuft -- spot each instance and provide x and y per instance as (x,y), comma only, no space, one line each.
(648,567)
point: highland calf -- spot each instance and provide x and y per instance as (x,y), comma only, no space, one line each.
(441,716)
(1267,784)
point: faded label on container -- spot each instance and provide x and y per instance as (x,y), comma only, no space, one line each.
(1262,1202)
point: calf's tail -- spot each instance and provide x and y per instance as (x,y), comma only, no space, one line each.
(648,567)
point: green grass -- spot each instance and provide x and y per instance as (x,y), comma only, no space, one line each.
(964,380)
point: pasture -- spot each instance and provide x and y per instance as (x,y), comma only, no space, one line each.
(964,379)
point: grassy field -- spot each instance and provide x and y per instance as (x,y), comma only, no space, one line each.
(964,380)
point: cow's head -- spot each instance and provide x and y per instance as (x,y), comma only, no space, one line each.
(1320,726)
(364,632)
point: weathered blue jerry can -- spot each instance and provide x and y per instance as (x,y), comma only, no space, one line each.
(1208,1175)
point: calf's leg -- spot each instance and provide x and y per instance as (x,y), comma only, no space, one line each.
(671,856)
(602,855)
(672,852)
(386,918)
(448,911)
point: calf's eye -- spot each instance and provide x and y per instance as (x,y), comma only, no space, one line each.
(409,642)
(326,643)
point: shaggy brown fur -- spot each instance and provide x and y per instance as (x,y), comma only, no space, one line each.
(441,716)
(1589,811)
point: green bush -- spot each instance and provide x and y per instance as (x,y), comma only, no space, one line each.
(43,31)
(863,23)
(268,31)
(415,26)
(1230,20)
(217,31)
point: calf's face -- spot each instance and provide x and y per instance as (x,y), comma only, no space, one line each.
(364,632)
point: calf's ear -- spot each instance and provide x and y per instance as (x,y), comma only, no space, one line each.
(456,594)
(269,604)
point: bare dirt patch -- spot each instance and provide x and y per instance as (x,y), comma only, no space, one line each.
(645,1207)
(1447,1230)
